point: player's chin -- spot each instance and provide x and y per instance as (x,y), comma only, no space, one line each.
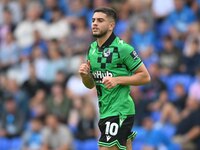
(95,34)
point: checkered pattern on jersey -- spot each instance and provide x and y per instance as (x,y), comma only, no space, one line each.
(107,56)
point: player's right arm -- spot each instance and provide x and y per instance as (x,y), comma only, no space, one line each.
(86,76)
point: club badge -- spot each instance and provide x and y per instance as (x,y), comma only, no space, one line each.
(106,52)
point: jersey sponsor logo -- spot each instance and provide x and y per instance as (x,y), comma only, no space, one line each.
(106,52)
(99,75)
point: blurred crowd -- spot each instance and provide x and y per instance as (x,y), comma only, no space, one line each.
(43,103)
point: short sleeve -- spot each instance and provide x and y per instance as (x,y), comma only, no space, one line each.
(130,58)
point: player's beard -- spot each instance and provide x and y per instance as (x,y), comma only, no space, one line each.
(101,34)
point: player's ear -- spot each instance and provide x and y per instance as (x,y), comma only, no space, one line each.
(111,25)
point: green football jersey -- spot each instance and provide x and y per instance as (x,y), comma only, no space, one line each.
(114,58)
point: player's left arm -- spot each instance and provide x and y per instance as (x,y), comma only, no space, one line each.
(134,64)
(140,77)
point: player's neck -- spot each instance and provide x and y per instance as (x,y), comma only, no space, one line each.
(103,39)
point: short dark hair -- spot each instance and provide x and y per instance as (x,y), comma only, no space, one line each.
(110,12)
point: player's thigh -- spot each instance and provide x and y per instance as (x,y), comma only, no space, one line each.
(108,148)
(129,144)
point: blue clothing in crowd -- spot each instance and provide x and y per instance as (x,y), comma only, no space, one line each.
(181,19)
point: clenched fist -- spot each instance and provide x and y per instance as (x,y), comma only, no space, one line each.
(84,69)
(109,82)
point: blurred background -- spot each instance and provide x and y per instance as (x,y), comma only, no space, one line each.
(43,103)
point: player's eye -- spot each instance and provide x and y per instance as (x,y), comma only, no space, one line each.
(100,19)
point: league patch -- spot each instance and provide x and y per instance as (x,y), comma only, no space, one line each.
(134,55)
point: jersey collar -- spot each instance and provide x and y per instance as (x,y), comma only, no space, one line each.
(109,41)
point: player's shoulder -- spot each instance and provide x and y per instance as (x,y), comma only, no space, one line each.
(93,44)
(121,44)
(123,47)
(91,47)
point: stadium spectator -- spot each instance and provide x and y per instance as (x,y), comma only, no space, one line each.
(152,93)
(40,62)
(24,31)
(144,40)
(172,109)
(153,138)
(49,5)
(32,84)
(76,8)
(58,103)
(153,89)
(12,88)
(86,130)
(62,78)
(87,127)
(56,61)
(176,19)
(170,56)
(140,10)
(185,118)
(58,27)
(8,24)
(37,105)
(55,135)
(38,42)
(188,127)
(162,9)
(77,43)
(193,33)
(181,96)
(15,9)
(9,52)
(32,137)
(12,119)
(192,58)
(76,91)
(122,25)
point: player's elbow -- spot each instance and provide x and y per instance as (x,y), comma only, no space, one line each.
(147,78)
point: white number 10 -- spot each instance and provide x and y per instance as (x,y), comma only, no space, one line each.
(112,128)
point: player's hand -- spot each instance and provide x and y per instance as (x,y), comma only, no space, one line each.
(84,69)
(109,82)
